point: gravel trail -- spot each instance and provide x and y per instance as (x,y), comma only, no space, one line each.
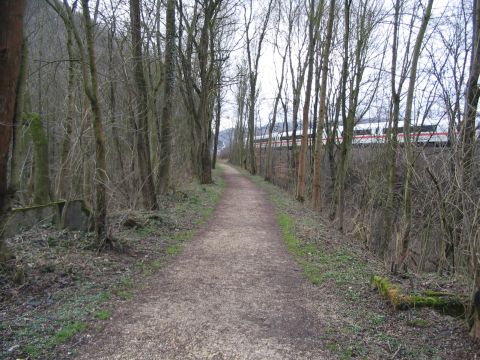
(234,293)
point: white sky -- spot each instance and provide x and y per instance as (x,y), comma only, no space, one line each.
(270,65)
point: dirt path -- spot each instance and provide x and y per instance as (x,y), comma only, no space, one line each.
(234,293)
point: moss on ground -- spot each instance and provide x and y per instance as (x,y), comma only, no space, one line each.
(449,304)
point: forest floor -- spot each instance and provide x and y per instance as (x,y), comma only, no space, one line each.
(68,289)
(264,278)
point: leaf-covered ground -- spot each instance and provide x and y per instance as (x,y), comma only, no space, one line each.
(64,286)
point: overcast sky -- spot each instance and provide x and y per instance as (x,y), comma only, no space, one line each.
(270,65)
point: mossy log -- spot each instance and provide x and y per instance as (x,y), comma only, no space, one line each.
(446,303)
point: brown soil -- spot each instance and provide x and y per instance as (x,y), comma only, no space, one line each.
(234,293)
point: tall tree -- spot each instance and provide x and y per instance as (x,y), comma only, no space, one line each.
(91,90)
(297,70)
(11,28)
(316,194)
(366,20)
(313,26)
(396,86)
(41,161)
(143,144)
(198,70)
(218,115)
(467,159)
(280,83)
(66,144)
(253,58)
(166,133)
(407,197)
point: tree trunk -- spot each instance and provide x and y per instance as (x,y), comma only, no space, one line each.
(467,162)
(252,161)
(100,160)
(269,160)
(166,134)
(348,124)
(253,76)
(316,195)
(19,130)
(11,28)
(391,138)
(64,183)
(143,144)
(407,198)
(41,194)
(312,38)
(349,116)
(217,120)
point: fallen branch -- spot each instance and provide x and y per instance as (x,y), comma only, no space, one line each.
(446,303)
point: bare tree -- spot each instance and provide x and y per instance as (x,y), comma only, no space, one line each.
(253,58)
(280,84)
(143,144)
(297,71)
(392,132)
(91,88)
(366,20)
(11,27)
(164,171)
(322,109)
(198,70)
(407,198)
(467,162)
(313,27)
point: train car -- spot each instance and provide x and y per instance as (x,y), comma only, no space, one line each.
(372,131)
(375,132)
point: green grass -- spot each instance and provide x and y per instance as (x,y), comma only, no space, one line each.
(104,296)
(377,319)
(338,265)
(174,249)
(39,346)
(419,323)
(103,314)
(68,332)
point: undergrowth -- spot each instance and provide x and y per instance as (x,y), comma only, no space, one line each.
(70,287)
(361,325)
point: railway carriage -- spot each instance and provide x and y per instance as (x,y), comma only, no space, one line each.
(372,131)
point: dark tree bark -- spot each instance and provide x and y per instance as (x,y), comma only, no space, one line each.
(64,184)
(314,21)
(253,62)
(166,133)
(143,143)
(467,160)
(217,119)
(41,194)
(11,38)
(316,193)
(407,198)
(91,90)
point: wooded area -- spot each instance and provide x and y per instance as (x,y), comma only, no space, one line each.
(116,102)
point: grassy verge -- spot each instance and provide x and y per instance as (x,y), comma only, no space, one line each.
(70,287)
(324,257)
(359,323)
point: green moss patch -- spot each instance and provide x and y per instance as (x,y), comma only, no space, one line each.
(449,304)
